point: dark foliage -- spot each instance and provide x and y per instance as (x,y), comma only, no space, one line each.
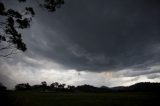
(71,88)
(22,0)
(37,88)
(51,5)
(10,37)
(9,28)
(2,87)
(23,87)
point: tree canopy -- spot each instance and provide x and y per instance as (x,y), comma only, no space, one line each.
(12,21)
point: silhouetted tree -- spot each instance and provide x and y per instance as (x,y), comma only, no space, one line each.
(2,87)
(61,86)
(37,87)
(44,85)
(23,87)
(53,86)
(10,37)
(71,88)
(56,84)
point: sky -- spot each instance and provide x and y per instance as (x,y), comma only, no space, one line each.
(95,42)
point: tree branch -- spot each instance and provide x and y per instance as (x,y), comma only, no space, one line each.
(9,54)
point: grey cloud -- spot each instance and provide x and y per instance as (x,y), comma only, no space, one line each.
(98,35)
(135,73)
(102,35)
(153,76)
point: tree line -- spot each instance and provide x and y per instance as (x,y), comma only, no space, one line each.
(61,87)
(55,86)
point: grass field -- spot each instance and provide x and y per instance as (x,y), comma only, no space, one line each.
(78,99)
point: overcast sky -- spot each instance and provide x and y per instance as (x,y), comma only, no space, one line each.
(109,42)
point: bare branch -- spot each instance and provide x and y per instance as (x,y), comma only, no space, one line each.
(9,54)
(6,47)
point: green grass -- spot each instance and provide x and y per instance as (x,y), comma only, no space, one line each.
(78,99)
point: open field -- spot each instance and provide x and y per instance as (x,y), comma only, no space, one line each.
(78,99)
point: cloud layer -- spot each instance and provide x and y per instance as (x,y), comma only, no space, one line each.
(100,35)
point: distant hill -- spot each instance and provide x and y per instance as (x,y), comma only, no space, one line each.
(142,86)
(90,88)
(138,87)
(118,88)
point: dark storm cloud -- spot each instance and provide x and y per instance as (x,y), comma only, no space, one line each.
(141,72)
(98,35)
(102,35)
